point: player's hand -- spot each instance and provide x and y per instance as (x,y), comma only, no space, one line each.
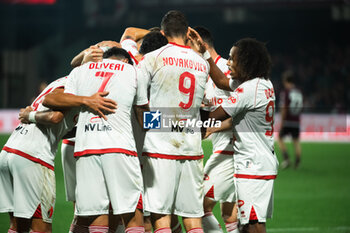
(24,115)
(100,105)
(196,40)
(92,54)
(209,132)
(108,43)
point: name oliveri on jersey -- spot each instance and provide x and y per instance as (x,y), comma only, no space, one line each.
(111,66)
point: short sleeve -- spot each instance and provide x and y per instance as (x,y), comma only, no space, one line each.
(141,91)
(239,101)
(145,69)
(71,86)
(130,46)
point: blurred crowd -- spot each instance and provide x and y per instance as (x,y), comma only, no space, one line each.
(322,72)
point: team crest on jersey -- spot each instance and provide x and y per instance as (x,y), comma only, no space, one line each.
(152,120)
(233,98)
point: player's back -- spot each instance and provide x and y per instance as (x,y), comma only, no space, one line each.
(94,133)
(177,81)
(41,141)
(178,77)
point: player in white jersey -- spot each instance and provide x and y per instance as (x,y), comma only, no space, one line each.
(131,41)
(107,159)
(27,181)
(252,110)
(219,169)
(177,77)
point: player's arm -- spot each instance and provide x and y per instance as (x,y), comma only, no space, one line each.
(219,78)
(134,33)
(95,103)
(49,117)
(225,125)
(219,114)
(92,54)
(139,110)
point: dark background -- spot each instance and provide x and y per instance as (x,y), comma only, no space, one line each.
(311,37)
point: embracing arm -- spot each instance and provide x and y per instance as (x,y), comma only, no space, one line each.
(225,125)
(49,117)
(95,103)
(134,34)
(219,78)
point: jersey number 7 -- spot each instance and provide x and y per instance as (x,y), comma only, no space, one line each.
(106,77)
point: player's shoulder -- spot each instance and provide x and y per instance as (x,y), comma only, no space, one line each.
(158,52)
(60,82)
(220,61)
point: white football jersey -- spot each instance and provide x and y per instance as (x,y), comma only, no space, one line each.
(177,77)
(94,134)
(222,141)
(251,107)
(39,142)
(131,47)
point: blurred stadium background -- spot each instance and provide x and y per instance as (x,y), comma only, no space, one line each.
(40,37)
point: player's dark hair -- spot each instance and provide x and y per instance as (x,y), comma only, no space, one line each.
(205,34)
(119,53)
(288,76)
(253,59)
(152,41)
(154,29)
(174,24)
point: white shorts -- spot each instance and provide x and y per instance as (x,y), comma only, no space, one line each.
(174,187)
(108,178)
(254,194)
(219,182)
(68,165)
(25,186)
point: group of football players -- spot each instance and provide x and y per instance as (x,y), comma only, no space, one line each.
(123,177)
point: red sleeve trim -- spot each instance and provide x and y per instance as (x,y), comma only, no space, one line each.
(268,177)
(217,59)
(133,58)
(105,151)
(177,157)
(224,152)
(68,142)
(27,156)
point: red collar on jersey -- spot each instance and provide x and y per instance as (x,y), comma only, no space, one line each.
(217,59)
(183,46)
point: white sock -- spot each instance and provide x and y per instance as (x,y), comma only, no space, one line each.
(232,227)
(210,223)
